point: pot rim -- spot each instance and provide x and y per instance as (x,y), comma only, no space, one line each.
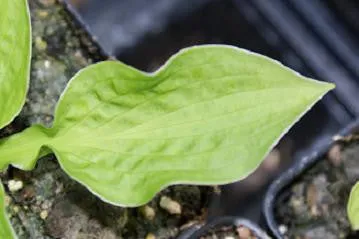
(227,221)
(80,24)
(294,171)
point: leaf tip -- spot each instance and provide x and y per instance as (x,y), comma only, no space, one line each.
(324,87)
(330,86)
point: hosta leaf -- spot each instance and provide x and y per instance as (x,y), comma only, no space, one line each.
(353,207)
(5,227)
(209,116)
(15,53)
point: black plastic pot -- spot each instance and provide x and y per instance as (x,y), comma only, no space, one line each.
(289,176)
(89,41)
(197,231)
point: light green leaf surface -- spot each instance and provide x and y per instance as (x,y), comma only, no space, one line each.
(353,207)
(6,231)
(209,116)
(15,53)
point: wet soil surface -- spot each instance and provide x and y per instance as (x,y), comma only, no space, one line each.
(46,203)
(315,205)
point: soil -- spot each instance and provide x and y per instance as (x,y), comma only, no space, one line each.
(314,206)
(46,203)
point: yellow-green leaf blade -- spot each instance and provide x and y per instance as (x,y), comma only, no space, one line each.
(15,53)
(22,150)
(209,116)
(6,230)
(353,207)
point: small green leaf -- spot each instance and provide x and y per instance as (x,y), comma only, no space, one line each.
(209,116)
(15,53)
(5,227)
(353,207)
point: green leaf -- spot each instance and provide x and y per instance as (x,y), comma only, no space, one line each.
(15,53)
(353,207)
(6,230)
(209,116)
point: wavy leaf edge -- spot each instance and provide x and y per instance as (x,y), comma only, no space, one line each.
(43,148)
(27,85)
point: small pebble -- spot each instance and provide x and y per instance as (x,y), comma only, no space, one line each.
(314,211)
(42,14)
(15,185)
(46,205)
(243,232)
(150,236)
(334,155)
(40,44)
(217,190)
(16,209)
(148,212)
(282,229)
(7,200)
(311,195)
(47,64)
(59,188)
(295,202)
(170,205)
(43,214)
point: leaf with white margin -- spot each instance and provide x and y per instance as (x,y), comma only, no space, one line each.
(15,55)
(209,116)
(353,207)
(6,230)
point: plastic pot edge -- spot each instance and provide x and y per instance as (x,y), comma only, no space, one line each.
(197,231)
(84,28)
(293,172)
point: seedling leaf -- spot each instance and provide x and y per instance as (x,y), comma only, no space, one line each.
(353,207)
(209,116)
(15,55)
(6,230)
